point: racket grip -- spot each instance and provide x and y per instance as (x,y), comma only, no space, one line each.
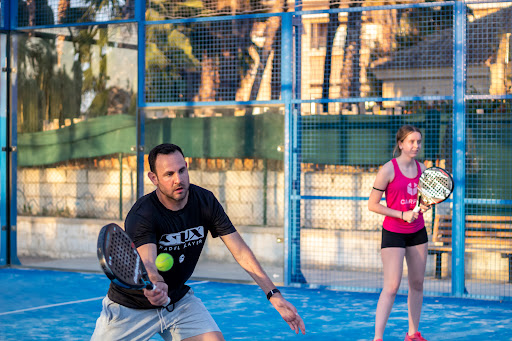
(153,287)
(416,209)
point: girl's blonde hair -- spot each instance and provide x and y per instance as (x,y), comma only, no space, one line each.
(401,134)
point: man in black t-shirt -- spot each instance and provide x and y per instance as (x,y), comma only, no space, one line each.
(175,219)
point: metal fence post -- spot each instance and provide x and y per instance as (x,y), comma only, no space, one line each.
(291,89)
(286,95)
(459,148)
(292,269)
(140,15)
(12,156)
(4,128)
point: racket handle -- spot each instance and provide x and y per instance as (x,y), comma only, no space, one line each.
(417,208)
(153,287)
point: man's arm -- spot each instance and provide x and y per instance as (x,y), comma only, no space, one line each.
(148,255)
(245,257)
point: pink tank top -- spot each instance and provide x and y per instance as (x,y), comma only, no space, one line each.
(401,195)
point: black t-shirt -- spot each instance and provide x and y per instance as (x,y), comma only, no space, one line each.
(180,233)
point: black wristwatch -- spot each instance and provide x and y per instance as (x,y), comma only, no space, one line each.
(272,292)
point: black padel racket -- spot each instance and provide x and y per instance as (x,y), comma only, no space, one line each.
(120,260)
(435,185)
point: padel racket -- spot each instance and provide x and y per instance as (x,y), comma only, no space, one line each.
(435,185)
(120,260)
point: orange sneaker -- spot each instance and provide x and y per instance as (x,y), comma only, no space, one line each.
(416,337)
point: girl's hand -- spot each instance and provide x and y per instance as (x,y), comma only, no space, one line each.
(411,216)
(425,208)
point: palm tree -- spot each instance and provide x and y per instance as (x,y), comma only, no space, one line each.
(273,26)
(61,17)
(172,64)
(210,59)
(44,93)
(350,78)
(332,27)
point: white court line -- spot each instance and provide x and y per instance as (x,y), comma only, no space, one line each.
(51,305)
(72,302)
(196,283)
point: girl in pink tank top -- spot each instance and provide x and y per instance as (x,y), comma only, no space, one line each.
(403,234)
(402,200)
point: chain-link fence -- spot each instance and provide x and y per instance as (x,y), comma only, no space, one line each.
(285,110)
(360,74)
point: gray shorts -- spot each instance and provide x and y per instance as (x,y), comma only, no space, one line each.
(189,318)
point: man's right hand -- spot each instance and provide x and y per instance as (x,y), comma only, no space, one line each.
(158,296)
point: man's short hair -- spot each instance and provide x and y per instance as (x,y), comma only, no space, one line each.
(164,148)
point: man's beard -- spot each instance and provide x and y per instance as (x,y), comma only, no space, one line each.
(182,196)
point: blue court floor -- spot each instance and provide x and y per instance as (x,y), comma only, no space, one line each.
(55,305)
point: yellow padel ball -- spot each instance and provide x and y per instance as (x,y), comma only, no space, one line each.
(164,262)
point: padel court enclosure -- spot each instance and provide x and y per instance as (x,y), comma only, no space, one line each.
(285,110)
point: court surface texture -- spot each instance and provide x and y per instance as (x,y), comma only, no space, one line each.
(58,305)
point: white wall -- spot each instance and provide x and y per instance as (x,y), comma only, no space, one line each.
(62,238)
(95,193)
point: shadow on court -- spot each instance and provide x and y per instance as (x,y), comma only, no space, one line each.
(56,305)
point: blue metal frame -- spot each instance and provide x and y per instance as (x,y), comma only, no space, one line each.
(11,14)
(8,248)
(8,137)
(286,95)
(140,6)
(12,47)
(209,104)
(469,97)
(80,24)
(374,99)
(290,87)
(375,8)
(296,150)
(217,18)
(4,128)
(301,101)
(459,148)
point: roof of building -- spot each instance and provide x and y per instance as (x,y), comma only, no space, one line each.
(436,50)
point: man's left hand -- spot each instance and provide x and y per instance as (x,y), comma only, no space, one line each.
(288,313)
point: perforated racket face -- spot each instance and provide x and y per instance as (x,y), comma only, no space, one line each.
(119,258)
(435,185)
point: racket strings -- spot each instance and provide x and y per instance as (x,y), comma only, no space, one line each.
(125,261)
(440,180)
(435,185)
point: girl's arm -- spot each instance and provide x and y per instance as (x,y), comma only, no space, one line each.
(384,177)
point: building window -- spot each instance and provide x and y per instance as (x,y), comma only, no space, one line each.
(318,35)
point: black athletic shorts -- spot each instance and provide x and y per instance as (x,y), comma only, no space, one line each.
(393,239)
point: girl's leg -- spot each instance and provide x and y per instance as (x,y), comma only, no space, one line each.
(416,257)
(392,260)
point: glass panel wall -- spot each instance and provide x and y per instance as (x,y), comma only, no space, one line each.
(77,95)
